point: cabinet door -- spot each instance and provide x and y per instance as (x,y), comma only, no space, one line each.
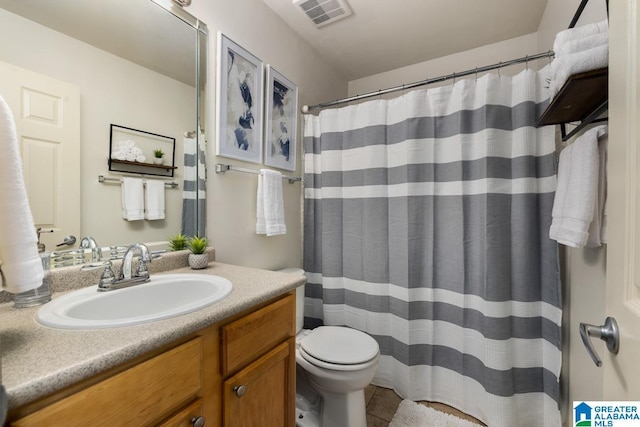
(263,393)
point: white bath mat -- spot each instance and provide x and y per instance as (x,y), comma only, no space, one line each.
(411,414)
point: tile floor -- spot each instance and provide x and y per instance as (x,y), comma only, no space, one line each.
(382,403)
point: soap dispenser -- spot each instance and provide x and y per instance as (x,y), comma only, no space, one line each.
(42,294)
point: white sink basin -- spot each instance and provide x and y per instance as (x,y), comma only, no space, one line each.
(164,296)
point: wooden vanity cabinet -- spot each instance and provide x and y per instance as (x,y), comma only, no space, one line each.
(200,376)
(258,366)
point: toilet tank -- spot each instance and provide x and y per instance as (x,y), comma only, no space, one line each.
(299,297)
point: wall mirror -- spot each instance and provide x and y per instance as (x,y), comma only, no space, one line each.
(135,63)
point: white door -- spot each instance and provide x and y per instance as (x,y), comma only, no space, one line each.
(47,115)
(622,371)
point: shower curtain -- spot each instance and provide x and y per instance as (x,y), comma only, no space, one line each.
(426,225)
(194,193)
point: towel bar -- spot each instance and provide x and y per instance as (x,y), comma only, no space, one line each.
(222,168)
(102,179)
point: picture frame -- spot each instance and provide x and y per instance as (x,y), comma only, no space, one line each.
(281,121)
(239,102)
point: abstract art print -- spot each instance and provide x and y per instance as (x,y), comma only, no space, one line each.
(281,120)
(239,102)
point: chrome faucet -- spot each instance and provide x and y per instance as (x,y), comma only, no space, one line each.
(90,243)
(126,278)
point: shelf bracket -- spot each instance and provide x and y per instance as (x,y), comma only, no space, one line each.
(591,118)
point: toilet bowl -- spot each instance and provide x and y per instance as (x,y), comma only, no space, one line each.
(335,364)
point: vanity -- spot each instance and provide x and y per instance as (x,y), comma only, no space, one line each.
(228,364)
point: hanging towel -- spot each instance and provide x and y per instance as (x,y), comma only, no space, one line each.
(270,206)
(577,191)
(579,45)
(19,260)
(598,226)
(154,200)
(132,199)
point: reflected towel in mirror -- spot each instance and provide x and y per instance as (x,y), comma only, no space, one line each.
(132,199)
(154,200)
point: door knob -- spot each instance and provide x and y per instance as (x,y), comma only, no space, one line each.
(197,421)
(608,333)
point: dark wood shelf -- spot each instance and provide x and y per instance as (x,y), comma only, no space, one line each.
(581,95)
(146,165)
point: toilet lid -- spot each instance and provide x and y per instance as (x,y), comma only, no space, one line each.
(340,345)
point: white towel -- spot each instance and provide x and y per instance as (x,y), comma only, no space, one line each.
(270,206)
(579,45)
(19,260)
(154,200)
(573,206)
(598,226)
(132,199)
(564,67)
(579,33)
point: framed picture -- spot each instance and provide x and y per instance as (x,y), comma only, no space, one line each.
(281,121)
(239,102)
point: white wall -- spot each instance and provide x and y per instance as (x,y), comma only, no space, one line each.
(107,84)
(231,204)
(467,60)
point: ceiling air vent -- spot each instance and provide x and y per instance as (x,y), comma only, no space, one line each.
(324,12)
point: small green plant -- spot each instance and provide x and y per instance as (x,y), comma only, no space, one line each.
(158,153)
(198,245)
(178,242)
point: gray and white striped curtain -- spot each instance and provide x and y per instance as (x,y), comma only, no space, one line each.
(194,192)
(426,225)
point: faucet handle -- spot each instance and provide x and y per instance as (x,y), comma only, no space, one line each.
(107,277)
(143,270)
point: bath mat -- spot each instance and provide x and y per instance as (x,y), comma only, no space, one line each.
(411,414)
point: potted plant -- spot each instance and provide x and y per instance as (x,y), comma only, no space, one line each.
(198,258)
(178,242)
(158,156)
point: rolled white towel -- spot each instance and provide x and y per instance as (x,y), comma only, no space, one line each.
(130,157)
(141,158)
(128,143)
(564,67)
(578,45)
(579,32)
(119,155)
(137,151)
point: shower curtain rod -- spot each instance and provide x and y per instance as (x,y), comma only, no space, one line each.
(305,108)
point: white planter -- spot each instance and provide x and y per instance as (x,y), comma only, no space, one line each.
(198,261)
(158,160)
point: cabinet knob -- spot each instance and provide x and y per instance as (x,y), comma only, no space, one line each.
(197,421)
(239,389)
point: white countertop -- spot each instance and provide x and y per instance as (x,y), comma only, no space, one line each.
(38,360)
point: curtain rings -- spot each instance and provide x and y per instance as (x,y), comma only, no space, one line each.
(454,78)
(379,94)
(526,62)
(500,69)
(476,73)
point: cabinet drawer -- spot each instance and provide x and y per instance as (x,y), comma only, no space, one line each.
(136,397)
(186,416)
(251,336)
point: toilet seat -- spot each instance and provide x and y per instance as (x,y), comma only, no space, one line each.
(339,348)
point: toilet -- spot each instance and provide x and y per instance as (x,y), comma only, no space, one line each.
(334,365)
